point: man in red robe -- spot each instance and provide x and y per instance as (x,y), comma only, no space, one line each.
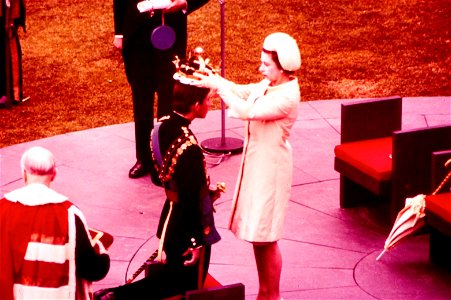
(45,247)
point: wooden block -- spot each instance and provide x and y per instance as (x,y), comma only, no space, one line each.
(226,292)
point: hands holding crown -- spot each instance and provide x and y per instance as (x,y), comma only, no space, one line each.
(212,81)
(197,71)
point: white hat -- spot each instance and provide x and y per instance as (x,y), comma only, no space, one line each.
(286,48)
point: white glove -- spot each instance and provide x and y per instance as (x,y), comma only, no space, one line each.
(212,81)
(149,5)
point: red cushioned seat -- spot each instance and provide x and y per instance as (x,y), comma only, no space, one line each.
(438,216)
(440,205)
(210,282)
(372,157)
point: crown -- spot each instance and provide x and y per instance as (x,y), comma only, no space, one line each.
(188,70)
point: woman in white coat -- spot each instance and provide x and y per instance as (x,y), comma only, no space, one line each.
(269,109)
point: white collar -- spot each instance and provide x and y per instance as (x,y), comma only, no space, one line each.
(35,194)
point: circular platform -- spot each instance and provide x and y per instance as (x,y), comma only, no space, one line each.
(391,276)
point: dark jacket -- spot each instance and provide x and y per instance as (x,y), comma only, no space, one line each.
(192,215)
(137,27)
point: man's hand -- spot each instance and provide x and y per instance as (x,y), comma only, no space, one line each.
(215,192)
(193,255)
(151,5)
(176,5)
(117,42)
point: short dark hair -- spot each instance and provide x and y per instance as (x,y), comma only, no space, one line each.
(185,95)
(275,58)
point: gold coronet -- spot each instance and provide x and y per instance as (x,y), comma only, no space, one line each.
(193,67)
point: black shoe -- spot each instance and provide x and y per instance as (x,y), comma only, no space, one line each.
(3,103)
(106,294)
(138,170)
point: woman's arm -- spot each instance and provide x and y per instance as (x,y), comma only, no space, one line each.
(265,107)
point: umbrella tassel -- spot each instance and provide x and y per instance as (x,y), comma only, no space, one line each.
(443,182)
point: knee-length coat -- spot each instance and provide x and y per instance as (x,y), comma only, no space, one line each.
(264,182)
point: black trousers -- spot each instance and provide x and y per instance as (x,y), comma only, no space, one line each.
(10,64)
(149,71)
(169,280)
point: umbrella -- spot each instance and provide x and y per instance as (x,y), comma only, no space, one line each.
(411,218)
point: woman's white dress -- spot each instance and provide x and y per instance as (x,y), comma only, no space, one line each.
(264,181)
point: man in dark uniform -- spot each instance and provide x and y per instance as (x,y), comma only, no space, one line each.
(186,228)
(12,16)
(148,69)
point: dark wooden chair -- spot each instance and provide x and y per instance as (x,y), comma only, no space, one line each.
(438,212)
(440,171)
(379,161)
(363,157)
(412,161)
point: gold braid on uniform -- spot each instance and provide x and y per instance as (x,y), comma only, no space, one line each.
(172,155)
